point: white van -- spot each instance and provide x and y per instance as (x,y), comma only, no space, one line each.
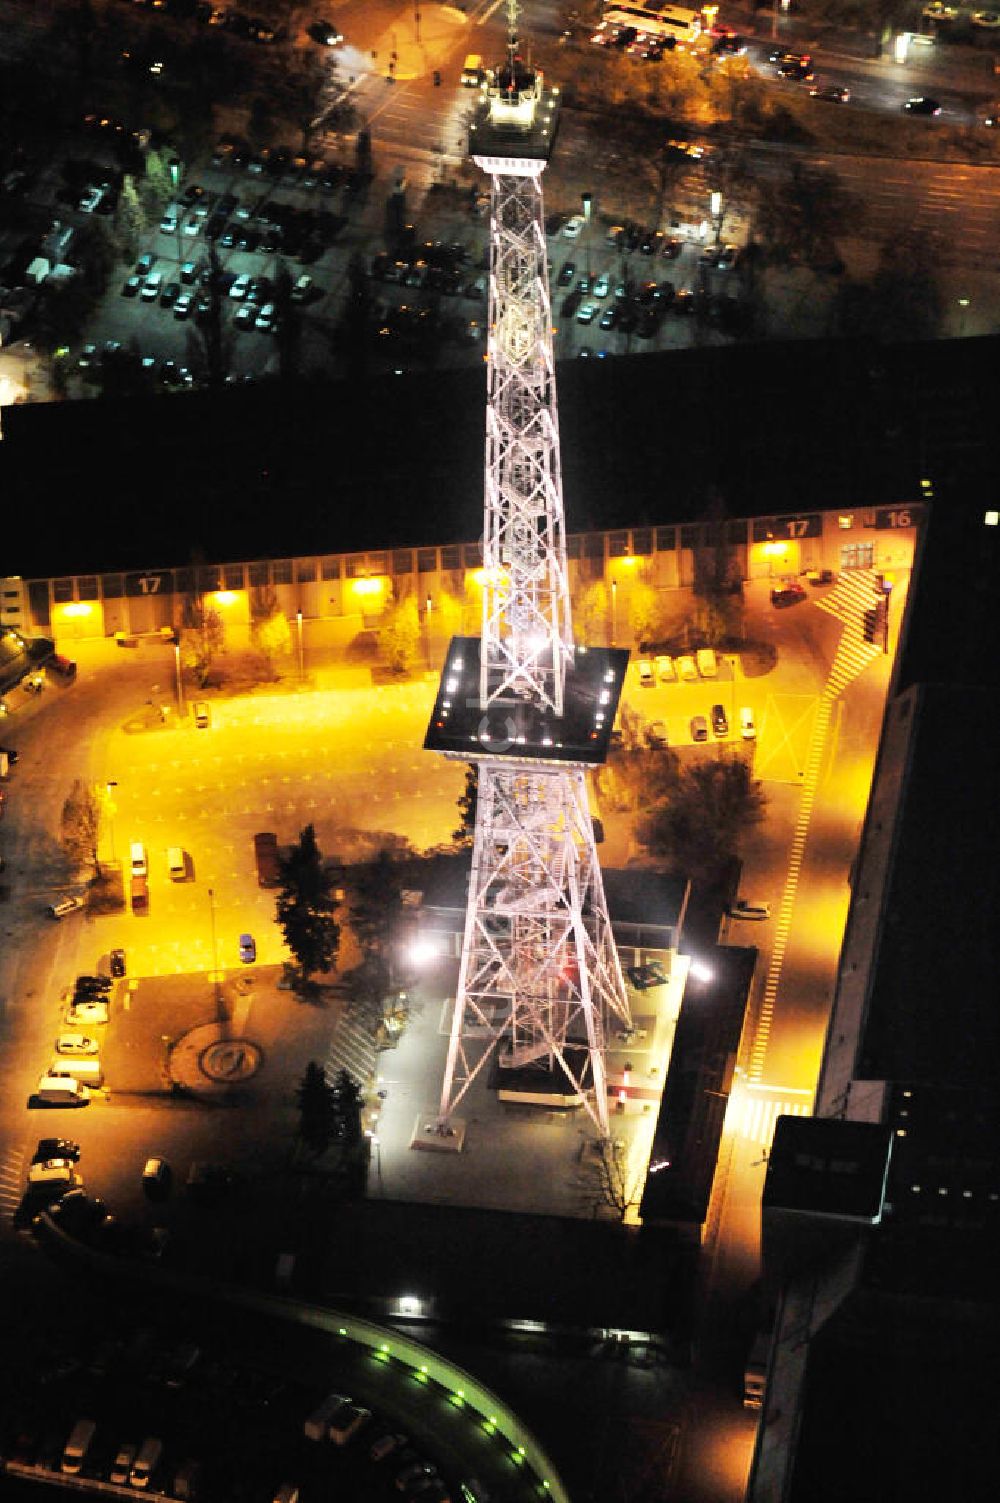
(137,857)
(707,663)
(87,1069)
(75,1452)
(748,726)
(176,865)
(62,1090)
(146,1462)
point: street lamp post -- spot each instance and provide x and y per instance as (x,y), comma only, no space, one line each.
(215,948)
(298,627)
(587,199)
(614,610)
(111,817)
(177,677)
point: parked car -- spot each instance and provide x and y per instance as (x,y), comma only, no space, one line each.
(117,962)
(76,1043)
(248,949)
(687,669)
(56,1148)
(665,670)
(86,1011)
(699,728)
(64,906)
(644,669)
(720,722)
(744,908)
(788,593)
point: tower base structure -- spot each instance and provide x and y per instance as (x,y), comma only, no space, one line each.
(540,975)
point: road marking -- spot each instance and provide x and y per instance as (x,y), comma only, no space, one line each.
(854,593)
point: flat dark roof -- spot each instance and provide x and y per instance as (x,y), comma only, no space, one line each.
(827,1167)
(285,469)
(932,1010)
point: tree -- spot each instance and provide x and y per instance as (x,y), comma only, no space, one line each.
(467,807)
(804,213)
(399,636)
(79,825)
(606,1179)
(273,635)
(375,903)
(591,613)
(317,1110)
(305,907)
(643,611)
(130,222)
(695,828)
(157,186)
(201,636)
(347,1106)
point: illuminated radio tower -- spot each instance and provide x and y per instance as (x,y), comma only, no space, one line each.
(540,976)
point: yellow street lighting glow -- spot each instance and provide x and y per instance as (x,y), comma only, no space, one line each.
(775,550)
(77,608)
(224,597)
(368,586)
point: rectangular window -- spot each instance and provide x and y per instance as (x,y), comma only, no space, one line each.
(666,539)
(281,570)
(260,576)
(472,554)
(593,545)
(426,560)
(355,566)
(208,578)
(573,545)
(62,589)
(111,586)
(690,536)
(642,542)
(331,567)
(305,570)
(617,544)
(87,586)
(234,576)
(38,601)
(845,521)
(378,563)
(451,557)
(736,531)
(402,561)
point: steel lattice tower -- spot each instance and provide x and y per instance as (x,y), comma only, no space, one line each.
(540,977)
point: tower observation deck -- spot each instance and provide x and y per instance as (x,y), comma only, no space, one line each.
(539,976)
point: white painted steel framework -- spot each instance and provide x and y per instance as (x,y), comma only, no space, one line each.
(540,977)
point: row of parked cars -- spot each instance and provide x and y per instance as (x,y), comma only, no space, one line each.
(263,224)
(339,1419)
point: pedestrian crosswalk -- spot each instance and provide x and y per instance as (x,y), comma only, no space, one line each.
(352,1048)
(757,1115)
(11,1182)
(856,591)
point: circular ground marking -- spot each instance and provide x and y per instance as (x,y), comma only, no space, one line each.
(230,1060)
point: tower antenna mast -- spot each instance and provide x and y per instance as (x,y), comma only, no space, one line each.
(540,978)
